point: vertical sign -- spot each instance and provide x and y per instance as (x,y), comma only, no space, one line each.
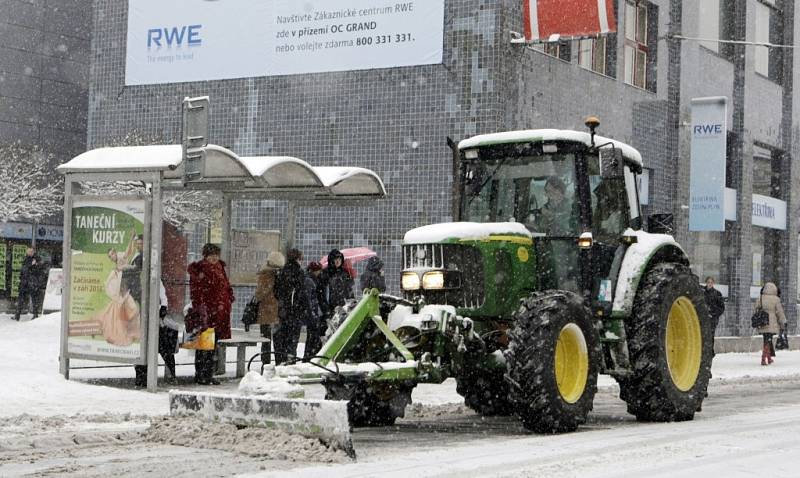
(17,257)
(3,256)
(707,180)
(106,279)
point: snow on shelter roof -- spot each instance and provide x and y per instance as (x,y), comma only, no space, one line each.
(548,135)
(221,164)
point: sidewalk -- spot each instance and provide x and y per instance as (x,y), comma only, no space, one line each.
(32,384)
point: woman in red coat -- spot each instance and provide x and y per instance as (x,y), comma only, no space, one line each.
(212,296)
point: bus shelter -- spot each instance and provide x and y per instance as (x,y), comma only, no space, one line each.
(110,301)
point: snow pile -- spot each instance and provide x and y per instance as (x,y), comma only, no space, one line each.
(266,443)
(464,231)
(256,384)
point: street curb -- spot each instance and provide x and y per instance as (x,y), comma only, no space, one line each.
(748,344)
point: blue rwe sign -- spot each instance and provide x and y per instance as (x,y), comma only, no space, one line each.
(707,180)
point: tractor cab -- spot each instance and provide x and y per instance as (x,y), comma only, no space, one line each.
(575,192)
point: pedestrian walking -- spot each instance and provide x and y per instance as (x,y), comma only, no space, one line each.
(315,323)
(29,283)
(290,289)
(714,301)
(267,301)
(336,282)
(373,278)
(771,304)
(212,299)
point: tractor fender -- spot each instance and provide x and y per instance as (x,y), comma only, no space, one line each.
(649,249)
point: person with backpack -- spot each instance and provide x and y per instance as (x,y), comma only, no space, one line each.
(290,290)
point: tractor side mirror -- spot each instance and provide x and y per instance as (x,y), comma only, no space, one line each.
(611,163)
(660,224)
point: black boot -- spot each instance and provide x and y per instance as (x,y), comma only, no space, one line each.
(141,376)
(169,369)
(266,352)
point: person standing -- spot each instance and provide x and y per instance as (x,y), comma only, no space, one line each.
(267,302)
(315,325)
(212,299)
(770,302)
(29,283)
(373,278)
(714,301)
(337,282)
(167,345)
(290,290)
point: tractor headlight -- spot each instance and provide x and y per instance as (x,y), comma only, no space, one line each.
(409,281)
(433,280)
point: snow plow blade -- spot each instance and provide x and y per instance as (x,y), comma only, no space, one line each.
(325,420)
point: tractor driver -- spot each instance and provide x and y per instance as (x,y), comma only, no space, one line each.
(555,218)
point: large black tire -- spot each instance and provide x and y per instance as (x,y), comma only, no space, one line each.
(552,362)
(371,405)
(485,391)
(671,346)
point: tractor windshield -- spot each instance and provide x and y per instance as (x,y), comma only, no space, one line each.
(537,190)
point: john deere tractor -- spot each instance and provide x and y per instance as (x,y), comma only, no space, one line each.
(547,281)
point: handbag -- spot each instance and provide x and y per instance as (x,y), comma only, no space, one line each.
(205,340)
(250,314)
(782,342)
(760,317)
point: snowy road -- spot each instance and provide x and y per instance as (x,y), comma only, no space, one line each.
(750,423)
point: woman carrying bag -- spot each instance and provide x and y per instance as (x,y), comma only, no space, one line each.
(770,302)
(267,317)
(212,298)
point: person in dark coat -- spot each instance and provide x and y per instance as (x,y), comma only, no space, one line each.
(337,282)
(290,289)
(714,301)
(373,278)
(212,300)
(29,283)
(167,345)
(315,325)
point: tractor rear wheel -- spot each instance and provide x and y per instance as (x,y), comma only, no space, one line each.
(671,346)
(371,405)
(552,362)
(485,391)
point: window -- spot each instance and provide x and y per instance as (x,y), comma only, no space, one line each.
(641,23)
(769,29)
(592,54)
(560,49)
(709,23)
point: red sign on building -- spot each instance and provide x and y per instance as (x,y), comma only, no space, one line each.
(567,18)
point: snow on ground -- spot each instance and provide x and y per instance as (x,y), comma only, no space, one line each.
(33,385)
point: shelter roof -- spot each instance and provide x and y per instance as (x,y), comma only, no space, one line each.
(261,173)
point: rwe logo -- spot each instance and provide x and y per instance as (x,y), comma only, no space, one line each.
(174,36)
(706,129)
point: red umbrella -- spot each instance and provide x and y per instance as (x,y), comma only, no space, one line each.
(354,255)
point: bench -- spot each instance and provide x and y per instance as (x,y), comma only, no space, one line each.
(241,340)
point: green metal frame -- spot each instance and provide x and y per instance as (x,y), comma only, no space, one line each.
(349,333)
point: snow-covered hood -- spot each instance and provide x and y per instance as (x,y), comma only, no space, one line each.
(464,231)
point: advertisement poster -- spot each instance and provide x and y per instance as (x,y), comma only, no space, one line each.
(106,278)
(191,40)
(707,172)
(53,291)
(17,257)
(249,251)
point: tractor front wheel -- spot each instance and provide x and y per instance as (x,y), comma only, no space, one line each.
(552,362)
(671,346)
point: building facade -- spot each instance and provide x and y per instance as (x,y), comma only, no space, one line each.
(639,81)
(44,78)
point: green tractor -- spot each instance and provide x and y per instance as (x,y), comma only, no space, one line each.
(547,281)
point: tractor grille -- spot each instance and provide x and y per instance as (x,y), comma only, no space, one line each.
(466,260)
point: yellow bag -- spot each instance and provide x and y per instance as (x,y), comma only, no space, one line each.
(202,341)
